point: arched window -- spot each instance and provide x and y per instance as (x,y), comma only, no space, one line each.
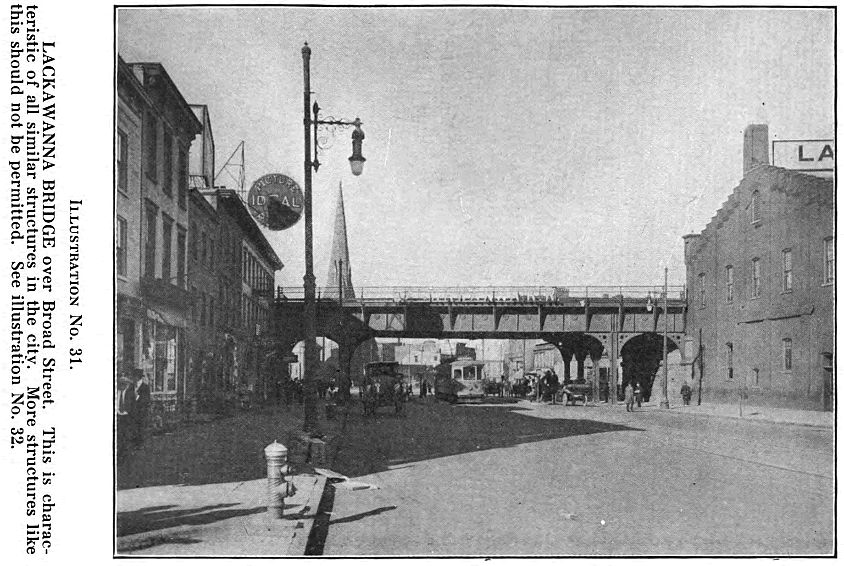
(754,207)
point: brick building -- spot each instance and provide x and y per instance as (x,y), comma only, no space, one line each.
(155,128)
(760,280)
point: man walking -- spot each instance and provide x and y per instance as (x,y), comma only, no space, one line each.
(140,412)
(628,397)
(686,393)
(125,410)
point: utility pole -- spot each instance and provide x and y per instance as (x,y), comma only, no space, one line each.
(664,403)
(700,361)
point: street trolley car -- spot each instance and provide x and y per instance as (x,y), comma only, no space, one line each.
(459,381)
(382,386)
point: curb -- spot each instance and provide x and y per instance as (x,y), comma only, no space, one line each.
(291,542)
(301,535)
(754,419)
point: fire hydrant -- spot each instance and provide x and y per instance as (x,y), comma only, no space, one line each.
(277,487)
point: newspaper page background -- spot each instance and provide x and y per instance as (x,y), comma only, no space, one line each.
(69,384)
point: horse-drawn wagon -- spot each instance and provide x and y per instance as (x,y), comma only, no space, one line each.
(382,386)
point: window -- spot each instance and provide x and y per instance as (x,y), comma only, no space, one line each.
(211,312)
(829,260)
(729,360)
(786,271)
(120,246)
(194,304)
(202,309)
(786,354)
(167,165)
(166,247)
(122,161)
(151,147)
(211,253)
(755,278)
(149,244)
(204,248)
(182,179)
(181,240)
(754,207)
(730,283)
(755,377)
(701,279)
(194,254)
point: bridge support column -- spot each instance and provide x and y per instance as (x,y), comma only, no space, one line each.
(567,355)
(595,355)
(581,369)
(345,362)
(613,376)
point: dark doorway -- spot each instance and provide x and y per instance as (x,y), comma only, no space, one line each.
(828,385)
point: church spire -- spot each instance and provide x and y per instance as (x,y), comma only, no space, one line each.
(340,255)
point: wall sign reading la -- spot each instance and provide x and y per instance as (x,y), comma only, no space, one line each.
(276,201)
(804,155)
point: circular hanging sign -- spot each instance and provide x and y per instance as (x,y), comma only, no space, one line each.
(276,201)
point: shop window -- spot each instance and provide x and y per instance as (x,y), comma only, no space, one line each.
(786,271)
(160,356)
(120,246)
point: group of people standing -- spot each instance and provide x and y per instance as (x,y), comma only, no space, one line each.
(632,395)
(133,403)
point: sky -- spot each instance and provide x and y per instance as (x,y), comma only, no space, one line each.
(504,146)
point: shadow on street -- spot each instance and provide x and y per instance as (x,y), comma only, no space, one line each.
(164,517)
(435,430)
(221,451)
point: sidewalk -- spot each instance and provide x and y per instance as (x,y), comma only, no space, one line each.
(228,519)
(824,419)
(201,490)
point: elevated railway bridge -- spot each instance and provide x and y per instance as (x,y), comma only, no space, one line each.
(625,322)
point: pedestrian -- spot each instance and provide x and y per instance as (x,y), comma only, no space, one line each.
(638,393)
(628,397)
(140,412)
(553,385)
(125,407)
(686,393)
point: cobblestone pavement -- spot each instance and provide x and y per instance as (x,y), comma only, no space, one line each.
(525,479)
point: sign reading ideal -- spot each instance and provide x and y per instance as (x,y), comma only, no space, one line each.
(804,155)
(276,201)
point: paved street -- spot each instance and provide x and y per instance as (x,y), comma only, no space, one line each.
(520,479)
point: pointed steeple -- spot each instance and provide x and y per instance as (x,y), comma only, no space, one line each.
(340,255)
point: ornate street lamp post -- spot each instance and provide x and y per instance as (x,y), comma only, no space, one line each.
(356,161)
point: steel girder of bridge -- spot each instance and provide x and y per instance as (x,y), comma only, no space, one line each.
(609,320)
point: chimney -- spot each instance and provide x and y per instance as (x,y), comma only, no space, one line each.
(755,146)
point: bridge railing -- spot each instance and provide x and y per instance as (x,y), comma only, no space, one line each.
(515,294)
